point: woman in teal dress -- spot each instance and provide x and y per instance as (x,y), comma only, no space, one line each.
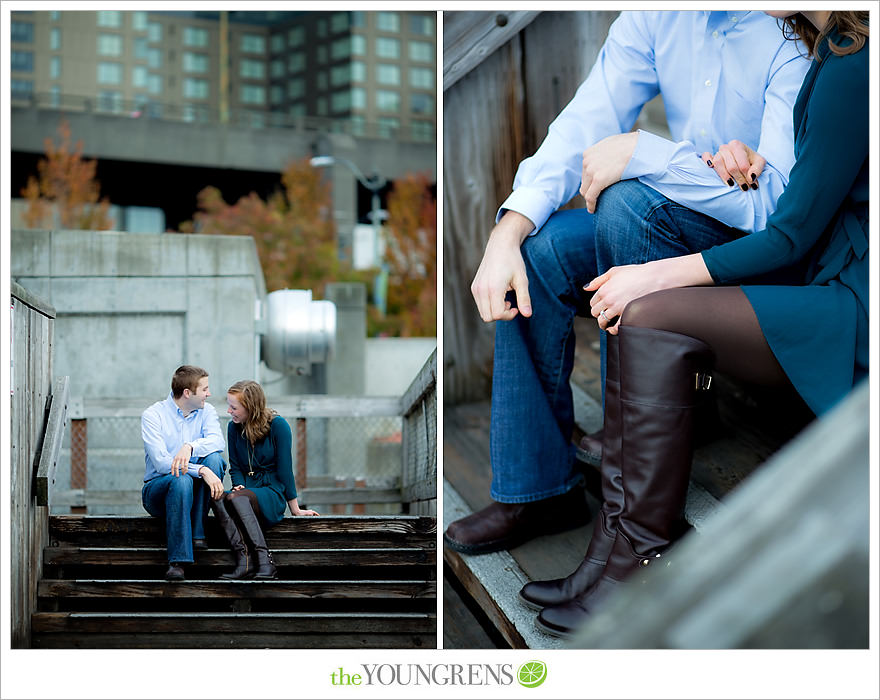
(668,327)
(259,445)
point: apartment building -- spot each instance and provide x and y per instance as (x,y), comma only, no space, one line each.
(367,73)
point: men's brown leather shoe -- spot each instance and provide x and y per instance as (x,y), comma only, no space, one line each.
(507,525)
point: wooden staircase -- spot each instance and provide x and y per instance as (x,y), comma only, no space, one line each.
(343,582)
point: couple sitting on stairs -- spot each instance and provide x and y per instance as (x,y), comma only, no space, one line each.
(185,468)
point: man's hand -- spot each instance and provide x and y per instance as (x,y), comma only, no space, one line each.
(180,463)
(213,482)
(737,164)
(603,165)
(502,269)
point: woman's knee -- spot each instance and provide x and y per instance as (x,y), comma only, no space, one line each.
(646,311)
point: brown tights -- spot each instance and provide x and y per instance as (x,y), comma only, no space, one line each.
(721,317)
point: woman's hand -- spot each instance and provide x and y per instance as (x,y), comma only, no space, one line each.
(620,285)
(737,164)
(293,504)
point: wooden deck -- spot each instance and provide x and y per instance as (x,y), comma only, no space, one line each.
(753,429)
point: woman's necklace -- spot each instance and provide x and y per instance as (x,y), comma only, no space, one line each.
(250,455)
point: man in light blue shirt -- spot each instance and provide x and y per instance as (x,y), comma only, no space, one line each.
(723,76)
(184,464)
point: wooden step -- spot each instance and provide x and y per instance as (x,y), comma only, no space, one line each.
(322,557)
(329,531)
(219,589)
(234,630)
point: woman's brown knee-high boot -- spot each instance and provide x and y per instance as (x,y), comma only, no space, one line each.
(540,594)
(265,566)
(244,565)
(661,376)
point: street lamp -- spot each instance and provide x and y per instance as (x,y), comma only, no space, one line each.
(374,183)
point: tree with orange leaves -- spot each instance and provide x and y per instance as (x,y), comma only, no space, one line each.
(65,194)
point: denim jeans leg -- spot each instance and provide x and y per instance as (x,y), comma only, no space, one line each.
(532,412)
(636,224)
(171,497)
(201,494)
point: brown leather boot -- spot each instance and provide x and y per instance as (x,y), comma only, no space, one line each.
(265,565)
(661,377)
(244,565)
(539,594)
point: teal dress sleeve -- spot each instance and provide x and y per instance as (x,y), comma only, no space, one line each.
(234,443)
(831,140)
(282,438)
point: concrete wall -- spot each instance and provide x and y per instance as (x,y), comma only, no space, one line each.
(392,363)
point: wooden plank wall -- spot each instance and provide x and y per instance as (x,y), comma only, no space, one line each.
(32,328)
(494,117)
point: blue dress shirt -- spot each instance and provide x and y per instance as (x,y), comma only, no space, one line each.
(723,76)
(165,429)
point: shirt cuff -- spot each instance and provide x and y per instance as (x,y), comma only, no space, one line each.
(532,203)
(650,156)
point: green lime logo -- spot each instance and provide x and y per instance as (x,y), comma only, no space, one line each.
(532,673)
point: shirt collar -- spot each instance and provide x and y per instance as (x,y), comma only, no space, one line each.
(174,408)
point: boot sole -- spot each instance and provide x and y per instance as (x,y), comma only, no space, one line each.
(529,604)
(552,631)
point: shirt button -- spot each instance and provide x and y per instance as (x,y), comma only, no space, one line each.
(715,34)
(708,83)
(734,19)
(702,132)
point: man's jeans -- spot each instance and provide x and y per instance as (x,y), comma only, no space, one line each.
(183,502)
(532,409)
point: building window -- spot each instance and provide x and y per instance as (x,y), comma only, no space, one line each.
(296,36)
(21,88)
(195,62)
(322,30)
(110,101)
(358,98)
(55,96)
(387,74)
(358,124)
(277,43)
(195,36)
(421,78)
(341,48)
(322,54)
(388,126)
(109,45)
(296,88)
(358,18)
(297,110)
(276,68)
(141,50)
(296,62)
(54,15)
(422,51)
(338,22)
(253,43)
(388,100)
(109,18)
(55,67)
(388,21)
(253,94)
(154,32)
(251,68)
(276,94)
(420,103)
(154,58)
(195,88)
(23,32)
(55,38)
(387,48)
(358,45)
(359,71)
(139,21)
(421,130)
(321,106)
(139,76)
(22,61)
(154,84)
(421,24)
(340,75)
(340,101)
(109,73)
(321,80)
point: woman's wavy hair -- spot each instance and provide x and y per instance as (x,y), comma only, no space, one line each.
(852,24)
(253,400)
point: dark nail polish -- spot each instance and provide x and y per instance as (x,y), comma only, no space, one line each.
(709,163)
(745,188)
(730,181)
(754,177)
(754,186)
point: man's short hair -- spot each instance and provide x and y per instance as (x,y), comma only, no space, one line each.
(186,377)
